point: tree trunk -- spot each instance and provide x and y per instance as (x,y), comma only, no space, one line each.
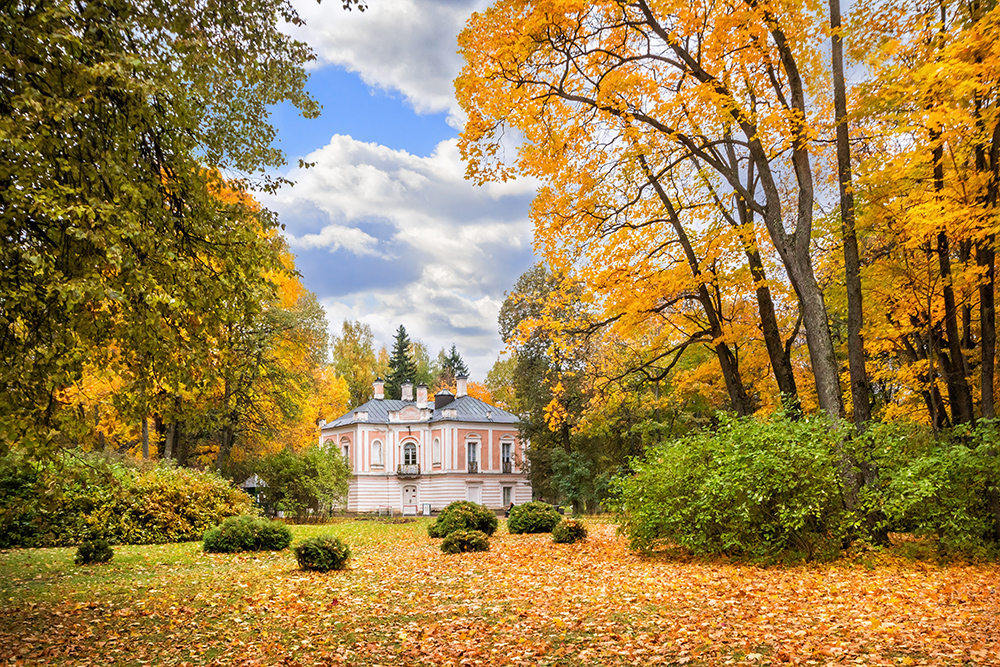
(956,369)
(145,438)
(860,392)
(738,397)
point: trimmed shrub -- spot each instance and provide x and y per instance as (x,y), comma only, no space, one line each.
(534,517)
(247,533)
(463,515)
(93,551)
(464,541)
(322,554)
(569,531)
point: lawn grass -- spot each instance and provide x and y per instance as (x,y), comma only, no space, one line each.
(525,602)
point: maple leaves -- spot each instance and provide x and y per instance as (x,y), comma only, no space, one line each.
(525,602)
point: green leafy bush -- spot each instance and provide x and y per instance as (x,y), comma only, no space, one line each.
(322,554)
(752,489)
(463,515)
(534,517)
(463,541)
(93,551)
(569,531)
(64,501)
(247,533)
(940,488)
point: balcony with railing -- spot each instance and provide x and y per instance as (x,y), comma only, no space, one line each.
(507,466)
(408,470)
(474,466)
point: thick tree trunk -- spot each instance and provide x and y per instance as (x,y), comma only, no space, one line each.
(860,393)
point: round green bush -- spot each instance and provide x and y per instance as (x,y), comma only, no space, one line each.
(247,533)
(322,554)
(463,515)
(569,531)
(94,551)
(464,541)
(533,517)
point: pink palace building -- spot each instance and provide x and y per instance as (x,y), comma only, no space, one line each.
(415,456)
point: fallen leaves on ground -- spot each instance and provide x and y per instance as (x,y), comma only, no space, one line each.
(525,602)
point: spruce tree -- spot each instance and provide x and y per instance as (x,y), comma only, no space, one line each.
(402,367)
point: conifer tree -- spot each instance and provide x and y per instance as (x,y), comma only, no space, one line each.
(402,367)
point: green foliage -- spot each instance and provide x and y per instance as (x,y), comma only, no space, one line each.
(322,554)
(402,366)
(247,533)
(115,239)
(94,551)
(63,501)
(313,480)
(464,541)
(463,515)
(534,517)
(751,489)
(569,531)
(940,488)
(354,360)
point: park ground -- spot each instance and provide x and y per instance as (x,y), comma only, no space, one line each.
(525,602)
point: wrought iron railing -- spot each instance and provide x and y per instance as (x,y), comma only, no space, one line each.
(408,470)
(474,466)
(507,466)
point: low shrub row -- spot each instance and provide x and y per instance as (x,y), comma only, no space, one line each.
(66,501)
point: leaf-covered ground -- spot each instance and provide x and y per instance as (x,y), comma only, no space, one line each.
(525,602)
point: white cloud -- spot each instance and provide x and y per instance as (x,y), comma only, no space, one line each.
(408,240)
(407,46)
(335,237)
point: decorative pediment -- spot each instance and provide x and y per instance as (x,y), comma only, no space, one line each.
(409,413)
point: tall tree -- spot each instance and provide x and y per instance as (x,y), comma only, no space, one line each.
(116,118)
(860,395)
(354,360)
(402,367)
(451,365)
(590,84)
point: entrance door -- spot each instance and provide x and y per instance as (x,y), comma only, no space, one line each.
(474,493)
(409,495)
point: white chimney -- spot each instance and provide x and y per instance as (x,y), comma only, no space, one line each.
(379,389)
(460,390)
(407,391)
(421,396)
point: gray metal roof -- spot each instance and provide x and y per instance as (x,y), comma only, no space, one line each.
(466,409)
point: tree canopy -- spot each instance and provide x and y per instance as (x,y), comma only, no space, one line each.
(119,234)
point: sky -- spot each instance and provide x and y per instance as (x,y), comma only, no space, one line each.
(384,226)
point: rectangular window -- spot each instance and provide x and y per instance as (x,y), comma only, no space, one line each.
(508,495)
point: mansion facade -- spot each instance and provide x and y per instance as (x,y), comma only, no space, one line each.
(415,456)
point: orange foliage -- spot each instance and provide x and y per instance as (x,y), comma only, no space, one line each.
(527,601)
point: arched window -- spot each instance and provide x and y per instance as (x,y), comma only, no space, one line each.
(409,454)
(472,454)
(376,452)
(436,451)
(345,447)
(507,456)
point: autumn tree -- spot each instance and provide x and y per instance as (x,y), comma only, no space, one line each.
(354,360)
(720,88)
(116,119)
